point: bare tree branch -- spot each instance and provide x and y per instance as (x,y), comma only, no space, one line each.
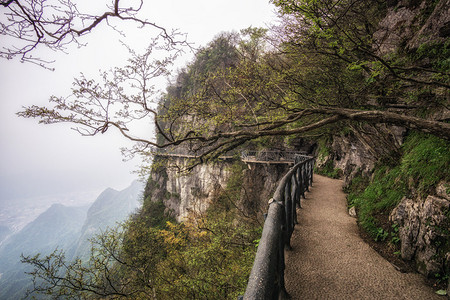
(31,24)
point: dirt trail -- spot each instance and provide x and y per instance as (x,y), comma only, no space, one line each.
(329,260)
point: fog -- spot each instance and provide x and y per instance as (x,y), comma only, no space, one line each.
(49,159)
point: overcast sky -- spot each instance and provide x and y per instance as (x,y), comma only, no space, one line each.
(37,159)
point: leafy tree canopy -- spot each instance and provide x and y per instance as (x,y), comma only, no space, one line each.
(323,64)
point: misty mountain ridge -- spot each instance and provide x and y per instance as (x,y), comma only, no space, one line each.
(4,232)
(59,226)
(17,213)
(110,208)
(63,227)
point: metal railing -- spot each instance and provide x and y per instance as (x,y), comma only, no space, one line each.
(246,156)
(266,279)
(266,155)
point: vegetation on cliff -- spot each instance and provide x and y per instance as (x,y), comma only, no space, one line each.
(424,161)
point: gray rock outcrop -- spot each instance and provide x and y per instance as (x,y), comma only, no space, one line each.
(193,192)
(359,150)
(404,17)
(352,212)
(185,193)
(424,231)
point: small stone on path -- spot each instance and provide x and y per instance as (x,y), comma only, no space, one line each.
(352,212)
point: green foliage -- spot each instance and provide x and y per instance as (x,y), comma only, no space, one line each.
(154,214)
(324,153)
(252,43)
(324,148)
(100,276)
(209,258)
(329,170)
(425,162)
(437,53)
(203,258)
(381,235)
(357,185)
(341,38)
(233,189)
(395,239)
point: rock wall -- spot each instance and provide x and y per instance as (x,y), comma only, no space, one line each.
(424,231)
(260,182)
(360,148)
(194,191)
(411,23)
(186,192)
(423,221)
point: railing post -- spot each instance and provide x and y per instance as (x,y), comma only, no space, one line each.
(302,180)
(288,212)
(280,287)
(296,200)
(292,194)
(297,196)
(305,177)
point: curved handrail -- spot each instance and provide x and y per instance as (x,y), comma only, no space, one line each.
(269,155)
(246,156)
(266,279)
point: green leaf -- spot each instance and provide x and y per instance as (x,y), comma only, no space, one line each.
(441,292)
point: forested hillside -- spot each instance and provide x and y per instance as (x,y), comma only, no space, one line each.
(362,85)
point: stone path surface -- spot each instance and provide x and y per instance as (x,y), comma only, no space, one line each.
(329,260)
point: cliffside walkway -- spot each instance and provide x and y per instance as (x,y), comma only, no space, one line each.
(257,157)
(329,260)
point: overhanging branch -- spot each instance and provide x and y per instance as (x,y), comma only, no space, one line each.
(30,24)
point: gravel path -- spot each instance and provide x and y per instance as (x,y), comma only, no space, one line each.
(329,260)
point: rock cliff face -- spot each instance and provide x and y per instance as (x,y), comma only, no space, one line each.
(193,192)
(413,22)
(423,230)
(184,193)
(260,181)
(359,149)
